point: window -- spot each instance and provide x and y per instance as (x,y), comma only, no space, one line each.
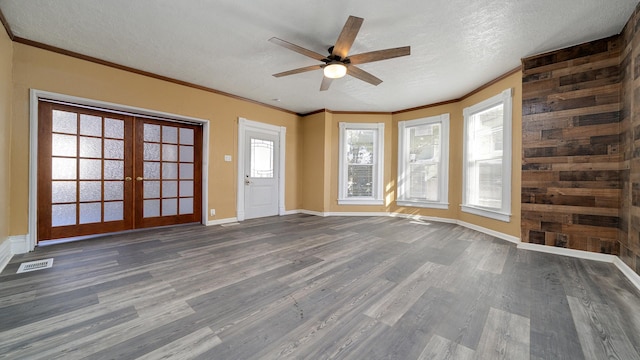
(361,164)
(487,158)
(423,162)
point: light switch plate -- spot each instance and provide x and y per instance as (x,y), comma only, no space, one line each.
(227,158)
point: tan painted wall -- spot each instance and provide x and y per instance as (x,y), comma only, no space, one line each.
(6,59)
(44,70)
(313,161)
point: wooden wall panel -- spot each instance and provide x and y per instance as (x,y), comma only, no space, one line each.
(572,174)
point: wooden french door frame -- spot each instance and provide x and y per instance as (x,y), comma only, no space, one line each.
(28,241)
(245,125)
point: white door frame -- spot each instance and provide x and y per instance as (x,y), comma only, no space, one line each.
(281,132)
(35,95)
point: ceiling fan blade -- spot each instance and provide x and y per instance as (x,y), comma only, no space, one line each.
(347,36)
(358,73)
(299,70)
(380,55)
(326,82)
(298,49)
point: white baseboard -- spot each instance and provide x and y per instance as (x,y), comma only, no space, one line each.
(356,214)
(580,254)
(5,253)
(499,235)
(19,244)
(311,212)
(627,271)
(290,212)
(423,218)
(222,221)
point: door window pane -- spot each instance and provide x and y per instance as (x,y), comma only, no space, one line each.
(62,215)
(151,208)
(114,128)
(64,122)
(113,211)
(151,189)
(186,153)
(151,132)
(186,171)
(169,152)
(90,147)
(186,188)
(113,190)
(169,189)
(186,136)
(169,207)
(113,149)
(169,170)
(169,134)
(90,169)
(151,152)
(63,191)
(90,190)
(186,206)
(261,158)
(63,169)
(151,170)
(113,169)
(64,145)
(90,213)
(90,125)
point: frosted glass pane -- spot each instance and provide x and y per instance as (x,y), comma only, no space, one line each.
(64,122)
(186,153)
(186,206)
(63,145)
(113,169)
(261,158)
(90,125)
(169,189)
(151,170)
(114,128)
(62,215)
(63,169)
(90,213)
(90,147)
(113,149)
(90,169)
(90,190)
(63,191)
(169,207)
(151,152)
(186,188)
(114,190)
(151,208)
(186,136)
(169,152)
(151,132)
(186,171)
(170,134)
(169,171)
(151,189)
(113,211)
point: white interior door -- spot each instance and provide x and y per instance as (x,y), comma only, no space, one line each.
(261,174)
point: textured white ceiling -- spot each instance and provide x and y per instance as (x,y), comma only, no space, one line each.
(456,45)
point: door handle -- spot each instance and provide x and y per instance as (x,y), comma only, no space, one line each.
(128,178)
(247,182)
(139,178)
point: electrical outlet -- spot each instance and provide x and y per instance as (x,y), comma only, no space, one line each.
(212,212)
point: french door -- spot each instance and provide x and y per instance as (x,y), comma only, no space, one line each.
(102,172)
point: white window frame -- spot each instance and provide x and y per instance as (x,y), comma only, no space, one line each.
(378,165)
(443,165)
(504,212)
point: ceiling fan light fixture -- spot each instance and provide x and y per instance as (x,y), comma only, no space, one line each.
(335,70)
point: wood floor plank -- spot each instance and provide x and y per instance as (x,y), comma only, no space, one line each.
(440,348)
(505,336)
(307,287)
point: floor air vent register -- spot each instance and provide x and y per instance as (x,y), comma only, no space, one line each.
(35,265)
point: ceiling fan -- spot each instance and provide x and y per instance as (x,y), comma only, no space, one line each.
(338,63)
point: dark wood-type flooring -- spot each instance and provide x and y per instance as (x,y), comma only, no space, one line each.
(306,287)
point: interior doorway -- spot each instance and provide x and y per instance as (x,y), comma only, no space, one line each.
(101,171)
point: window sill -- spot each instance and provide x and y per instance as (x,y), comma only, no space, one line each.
(423,204)
(360,202)
(492,214)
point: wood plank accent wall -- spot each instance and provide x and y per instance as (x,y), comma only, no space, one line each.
(571,160)
(630,143)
